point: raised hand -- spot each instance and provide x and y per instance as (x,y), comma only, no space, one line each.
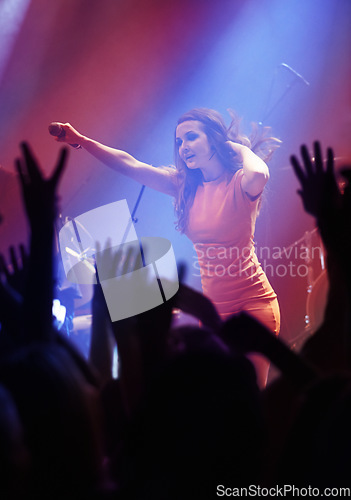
(12,285)
(198,305)
(16,276)
(39,194)
(319,190)
(113,262)
(244,334)
(40,198)
(329,348)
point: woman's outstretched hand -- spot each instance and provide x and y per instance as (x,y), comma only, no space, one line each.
(39,194)
(67,134)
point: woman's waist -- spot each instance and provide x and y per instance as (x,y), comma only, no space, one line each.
(238,271)
(223,283)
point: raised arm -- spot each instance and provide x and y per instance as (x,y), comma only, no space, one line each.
(40,201)
(256,173)
(163,180)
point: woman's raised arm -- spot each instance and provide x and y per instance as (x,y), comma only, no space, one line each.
(163,180)
(256,173)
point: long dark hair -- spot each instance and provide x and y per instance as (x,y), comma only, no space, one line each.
(218,134)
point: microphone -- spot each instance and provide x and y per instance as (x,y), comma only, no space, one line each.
(56,130)
(300,77)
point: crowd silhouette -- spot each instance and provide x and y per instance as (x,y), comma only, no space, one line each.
(185,414)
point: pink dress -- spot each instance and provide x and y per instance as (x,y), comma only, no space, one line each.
(221,226)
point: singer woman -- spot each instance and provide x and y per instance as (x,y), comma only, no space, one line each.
(217,186)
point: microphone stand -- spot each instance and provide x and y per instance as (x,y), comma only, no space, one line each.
(288,88)
(135,220)
(276,104)
(307,238)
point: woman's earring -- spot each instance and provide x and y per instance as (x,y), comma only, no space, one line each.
(212,155)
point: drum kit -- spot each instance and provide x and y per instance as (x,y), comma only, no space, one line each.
(80,326)
(316,284)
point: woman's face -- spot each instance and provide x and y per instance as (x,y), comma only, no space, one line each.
(193,146)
